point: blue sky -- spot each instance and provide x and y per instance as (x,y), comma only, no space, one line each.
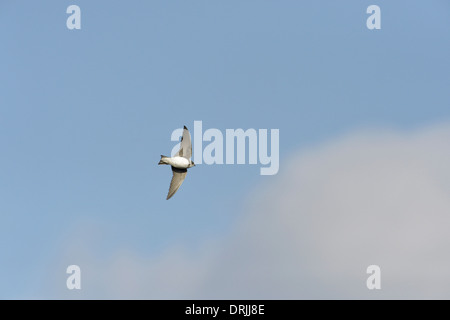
(85,114)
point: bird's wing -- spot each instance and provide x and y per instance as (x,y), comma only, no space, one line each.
(185,145)
(177,179)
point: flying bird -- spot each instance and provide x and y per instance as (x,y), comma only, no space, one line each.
(180,163)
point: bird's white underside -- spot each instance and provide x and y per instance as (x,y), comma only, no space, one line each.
(178,162)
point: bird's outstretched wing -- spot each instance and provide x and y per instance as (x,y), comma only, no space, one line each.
(185,145)
(177,179)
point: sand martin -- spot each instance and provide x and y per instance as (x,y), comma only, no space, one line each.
(180,163)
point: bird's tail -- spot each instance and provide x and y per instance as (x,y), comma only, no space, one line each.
(162,161)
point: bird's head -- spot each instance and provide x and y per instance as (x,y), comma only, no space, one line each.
(192,164)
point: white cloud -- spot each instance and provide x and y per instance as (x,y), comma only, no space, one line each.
(367,198)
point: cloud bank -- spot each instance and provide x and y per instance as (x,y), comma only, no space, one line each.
(367,198)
